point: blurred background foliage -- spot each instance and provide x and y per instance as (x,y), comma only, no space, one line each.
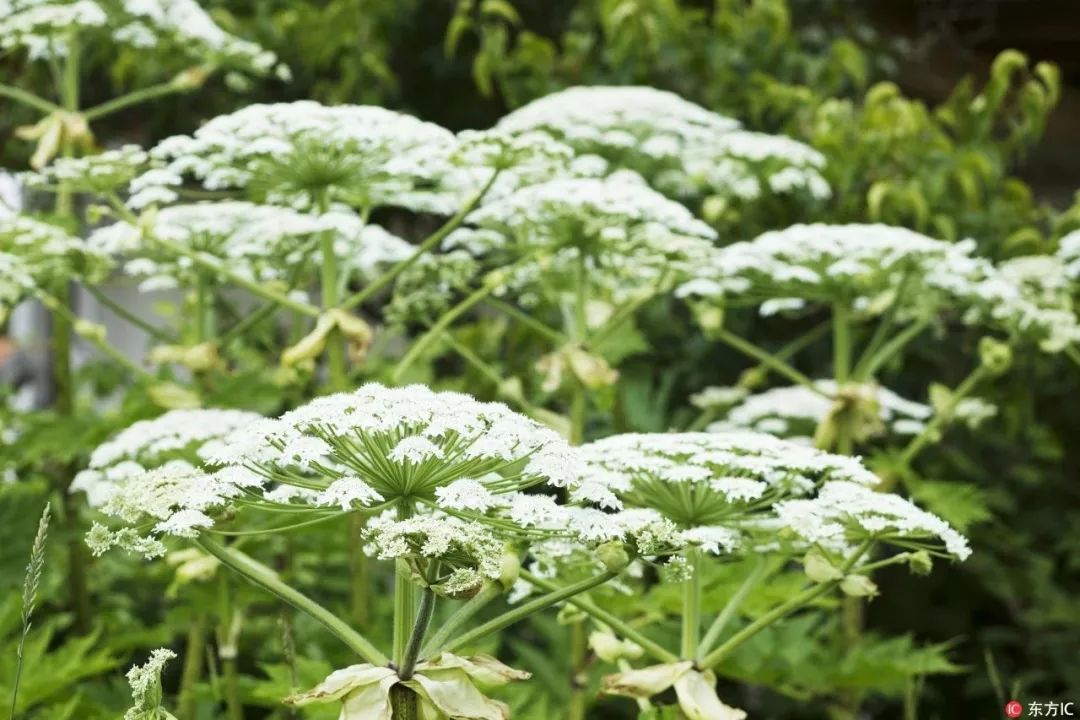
(924,123)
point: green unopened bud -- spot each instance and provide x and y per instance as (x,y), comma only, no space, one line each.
(509,567)
(819,569)
(611,649)
(709,317)
(173,397)
(995,355)
(92,331)
(570,615)
(920,562)
(713,208)
(191,79)
(613,555)
(859,586)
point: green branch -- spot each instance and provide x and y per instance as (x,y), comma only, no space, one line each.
(267,579)
(526,609)
(582,603)
(428,244)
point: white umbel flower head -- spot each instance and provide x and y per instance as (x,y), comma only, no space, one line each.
(709,480)
(296,153)
(872,267)
(168,28)
(178,435)
(406,443)
(36,254)
(630,235)
(845,513)
(680,147)
(260,242)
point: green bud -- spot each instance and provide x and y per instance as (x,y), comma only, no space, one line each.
(995,355)
(613,555)
(173,397)
(570,615)
(509,567)
(920,562)
(92,331)
(819,569)
(859,586)
(709,317)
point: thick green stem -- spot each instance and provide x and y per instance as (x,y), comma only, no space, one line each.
(528,608)
(841,343)
(767,359)
(404,610)
(63,381)
(691,604)
(193,666)
(265,578)
(579,671)
(807,596)
(416,639)
(404,704)
(943,415)
(405,599)
(335,345)
(228,631)
(359,572)
(731,607)
(629,632)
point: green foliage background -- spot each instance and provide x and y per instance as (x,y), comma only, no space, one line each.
(1007,621)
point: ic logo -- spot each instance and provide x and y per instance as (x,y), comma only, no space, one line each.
(1014,709)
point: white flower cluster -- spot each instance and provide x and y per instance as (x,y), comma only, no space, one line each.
(104,172)
(629,233)
(36,254)
(1069,254)
(476,551)
(679,146)
(168,26)
(707,484)
(178,439)
(259,242)
(844,512)
(805,264)
(863,265)
(291,152)
(461,465)
(794,412)
(1027,297)
(145,682)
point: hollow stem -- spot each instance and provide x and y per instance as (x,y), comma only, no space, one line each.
(629,632)
(767,359)
(691,604)
(416,639)
(193,666)
(807,596)
(28,98)
(731,607)
(526,609)
(264,577)
(136,97)
(942,416)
